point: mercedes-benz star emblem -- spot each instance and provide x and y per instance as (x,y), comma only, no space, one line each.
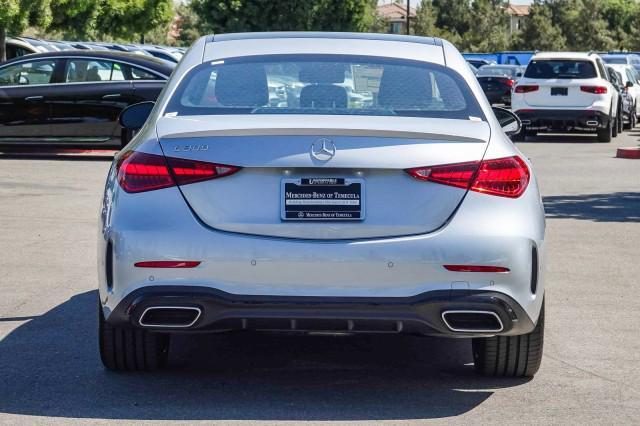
(323,149)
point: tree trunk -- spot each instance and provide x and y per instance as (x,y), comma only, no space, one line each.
(3,44)
(142,38)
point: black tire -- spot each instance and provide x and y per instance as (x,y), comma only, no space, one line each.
(131,349)
(633,120)
(605,135)
(614,128)
(510,356)
(620,119)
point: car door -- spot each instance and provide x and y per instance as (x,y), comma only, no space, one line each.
(147,85)
(86,105)
(24,111)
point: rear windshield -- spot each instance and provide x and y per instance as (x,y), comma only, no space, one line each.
(563,69)
(615,59)
(491,71)
(324,84)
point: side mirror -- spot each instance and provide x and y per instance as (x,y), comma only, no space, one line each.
(629,84)
(134,116)
(509,122)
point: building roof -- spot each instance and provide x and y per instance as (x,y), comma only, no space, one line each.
(395,12)
(518,9)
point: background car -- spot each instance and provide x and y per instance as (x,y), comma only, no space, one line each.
(566,92)
(497,81)
(622,59)
(74,97)
(478,63)
(626,112)
(17,47)
(631,80)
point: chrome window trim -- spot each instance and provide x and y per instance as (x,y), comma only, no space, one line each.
(27,59)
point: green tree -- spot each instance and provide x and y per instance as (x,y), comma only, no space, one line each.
(566,16)
(539,31)
(453,16)
(16,15)
(217,16)
(129,19)
(620,15)
(489,32)
(75,19)
(596,34)
(425,23)
(188,24)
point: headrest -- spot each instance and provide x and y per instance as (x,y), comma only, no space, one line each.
(403,87)
(322,73)
(323,96)
(242,85)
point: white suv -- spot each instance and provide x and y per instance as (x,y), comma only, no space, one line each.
(566,92)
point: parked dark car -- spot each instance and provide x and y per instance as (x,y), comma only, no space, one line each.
(626,117)
(476,62)
(16,48)
(498,80)
(75,97)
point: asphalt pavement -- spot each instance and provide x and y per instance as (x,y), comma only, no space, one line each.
(50,371)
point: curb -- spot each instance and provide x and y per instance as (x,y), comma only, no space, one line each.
(628,152)
(79,154)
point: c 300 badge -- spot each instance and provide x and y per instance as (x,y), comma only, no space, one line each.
(189,148)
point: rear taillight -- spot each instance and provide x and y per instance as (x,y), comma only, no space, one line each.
(504,177)
(139,171)
(596,90)
(526,88)
(510,82)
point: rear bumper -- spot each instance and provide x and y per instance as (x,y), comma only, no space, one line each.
(420,314)
(499,96)
(565,120)
(158,225)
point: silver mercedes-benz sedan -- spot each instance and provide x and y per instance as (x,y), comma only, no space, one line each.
(322,182)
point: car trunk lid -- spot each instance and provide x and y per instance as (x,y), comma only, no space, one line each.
(274,151)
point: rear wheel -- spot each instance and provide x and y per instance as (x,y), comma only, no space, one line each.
(510,356)
(620,119)
(605,135)
(130,349)
(614,128)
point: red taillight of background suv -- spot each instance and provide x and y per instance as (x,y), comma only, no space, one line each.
(596,90)
(526,88)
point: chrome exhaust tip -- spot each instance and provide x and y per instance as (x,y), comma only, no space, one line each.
(592,123)
(470,321)
(170,316)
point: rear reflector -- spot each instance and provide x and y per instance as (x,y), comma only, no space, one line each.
(167,264)
(504,177)
(526,88)
(139,171)
(596,90)
(475,268)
